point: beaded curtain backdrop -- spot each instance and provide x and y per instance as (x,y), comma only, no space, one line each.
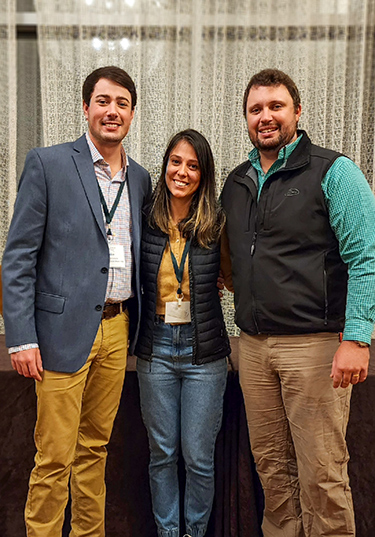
(191,61)
(8,131)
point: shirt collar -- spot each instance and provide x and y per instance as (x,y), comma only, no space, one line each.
(283,155)
(97,157)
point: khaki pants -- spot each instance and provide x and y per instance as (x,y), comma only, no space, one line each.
(297,424)
(74,423)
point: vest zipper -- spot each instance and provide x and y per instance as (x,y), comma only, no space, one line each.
(325,295)
(192,311)
(252,252)
(253,242)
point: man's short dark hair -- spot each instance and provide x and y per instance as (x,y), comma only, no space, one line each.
(110,72)
(272,77)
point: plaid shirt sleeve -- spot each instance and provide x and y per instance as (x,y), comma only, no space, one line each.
(351,206)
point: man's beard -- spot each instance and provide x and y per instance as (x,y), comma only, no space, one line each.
(273,144)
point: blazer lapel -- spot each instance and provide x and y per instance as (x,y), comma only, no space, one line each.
(133,186)
(83,162)
(135,203)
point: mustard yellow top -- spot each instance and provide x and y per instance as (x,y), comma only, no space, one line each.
(167,282)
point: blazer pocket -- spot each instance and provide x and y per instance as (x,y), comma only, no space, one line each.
(48,302)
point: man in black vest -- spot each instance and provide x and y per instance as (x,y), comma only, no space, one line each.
(302,247)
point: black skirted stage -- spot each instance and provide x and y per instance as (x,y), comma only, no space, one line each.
(238,500)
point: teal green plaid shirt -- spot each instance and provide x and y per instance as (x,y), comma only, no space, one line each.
(351,208)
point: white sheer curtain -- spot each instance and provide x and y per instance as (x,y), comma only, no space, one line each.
(8,115)
(8,118)
(191,61)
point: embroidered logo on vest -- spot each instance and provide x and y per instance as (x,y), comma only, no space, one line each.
(292,192)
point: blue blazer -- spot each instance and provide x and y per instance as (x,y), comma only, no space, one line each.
(55,263)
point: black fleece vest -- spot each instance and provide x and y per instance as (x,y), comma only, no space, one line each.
(288,275)
(210,340)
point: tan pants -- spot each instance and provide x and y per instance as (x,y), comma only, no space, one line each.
(297,424)
(74,423)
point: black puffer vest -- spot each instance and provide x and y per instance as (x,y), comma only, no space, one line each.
(287,272)
(210,340)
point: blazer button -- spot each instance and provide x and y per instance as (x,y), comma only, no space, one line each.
(98,307)
(104,270)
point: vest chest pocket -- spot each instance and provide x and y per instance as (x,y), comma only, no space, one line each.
(265,207)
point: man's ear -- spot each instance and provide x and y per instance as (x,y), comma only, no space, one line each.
(298,112)
(85,109)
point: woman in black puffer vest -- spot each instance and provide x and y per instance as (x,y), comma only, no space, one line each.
(183,344)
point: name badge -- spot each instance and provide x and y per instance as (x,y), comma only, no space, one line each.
(116,256)
(177,312)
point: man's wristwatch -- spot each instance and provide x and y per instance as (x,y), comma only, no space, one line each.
(362,344)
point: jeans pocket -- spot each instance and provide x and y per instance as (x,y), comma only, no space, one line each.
(143,366)
(215,367)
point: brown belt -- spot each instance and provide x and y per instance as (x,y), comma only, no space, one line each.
(112,309)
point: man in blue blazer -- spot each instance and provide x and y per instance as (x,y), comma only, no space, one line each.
(71,300)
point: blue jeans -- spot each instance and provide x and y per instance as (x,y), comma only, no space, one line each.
(181,402)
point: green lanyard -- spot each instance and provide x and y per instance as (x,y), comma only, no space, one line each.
(179,270)
(109,214)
